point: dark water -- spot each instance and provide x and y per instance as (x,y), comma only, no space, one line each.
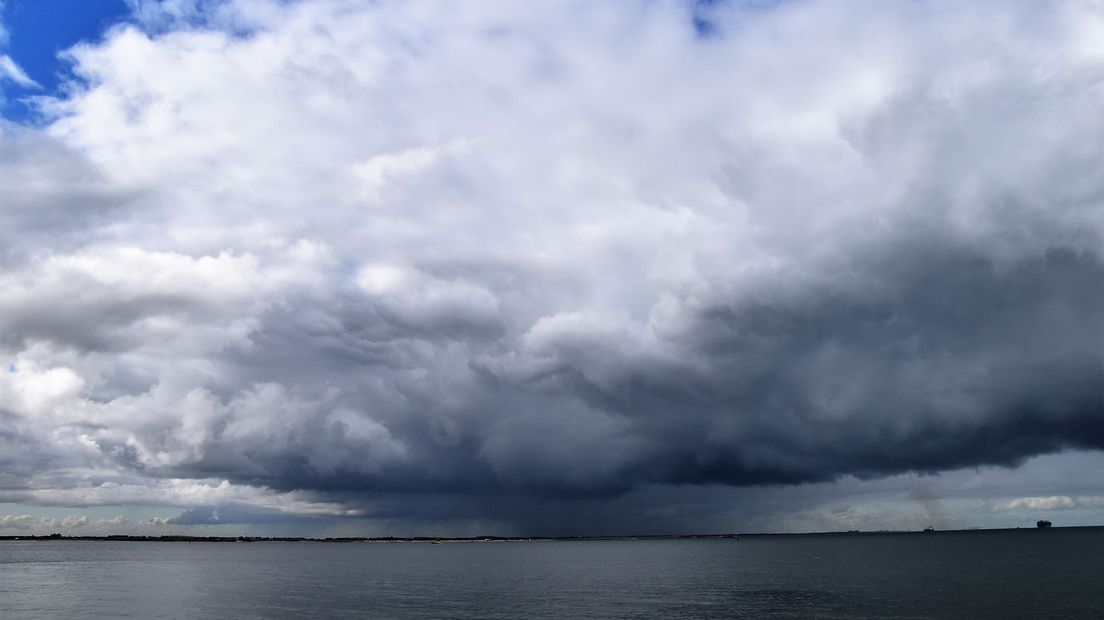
(1025,574)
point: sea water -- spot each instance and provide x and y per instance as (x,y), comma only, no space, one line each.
(1003,574)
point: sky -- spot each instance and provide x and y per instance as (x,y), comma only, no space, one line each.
(416,267)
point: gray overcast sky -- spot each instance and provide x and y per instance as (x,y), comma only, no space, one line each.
(555,267)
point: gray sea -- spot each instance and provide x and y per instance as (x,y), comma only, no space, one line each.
(1011,574)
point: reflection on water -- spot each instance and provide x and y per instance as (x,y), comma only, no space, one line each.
(1030,574)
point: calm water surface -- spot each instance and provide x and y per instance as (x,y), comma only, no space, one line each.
(1024,574)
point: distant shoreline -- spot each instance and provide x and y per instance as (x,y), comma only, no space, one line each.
(470,539)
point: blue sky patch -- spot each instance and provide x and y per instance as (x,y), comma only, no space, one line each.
(38,30)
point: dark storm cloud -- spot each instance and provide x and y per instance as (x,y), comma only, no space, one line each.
(938,358)
(943,359)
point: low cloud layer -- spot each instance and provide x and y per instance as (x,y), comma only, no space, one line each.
(407,258)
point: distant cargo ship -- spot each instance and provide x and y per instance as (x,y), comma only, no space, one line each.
(1042,524)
